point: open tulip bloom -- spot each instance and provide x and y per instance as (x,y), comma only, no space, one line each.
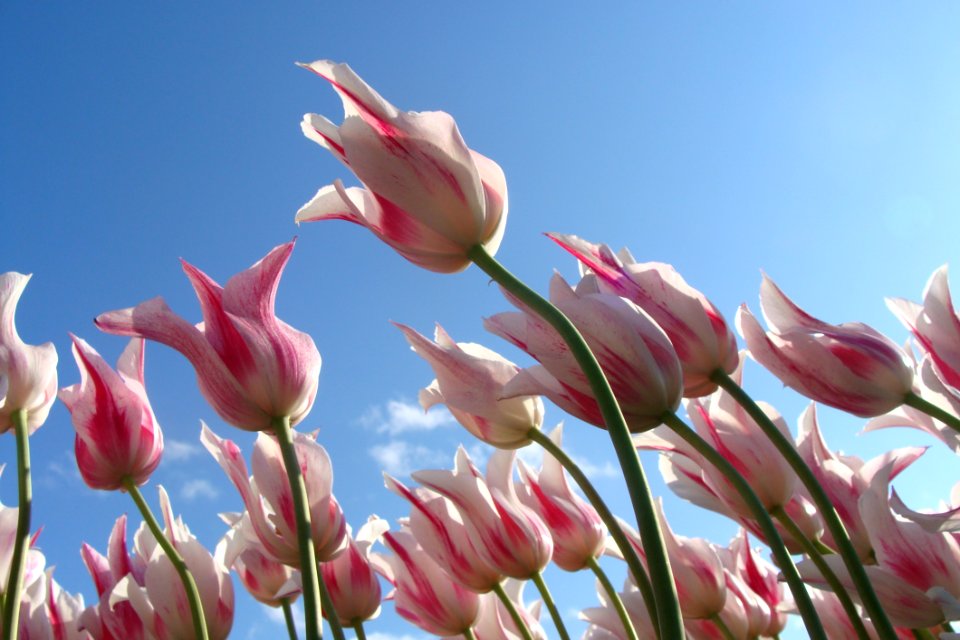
(620,349)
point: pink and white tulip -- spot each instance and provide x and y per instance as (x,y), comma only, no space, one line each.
(28,373)
(700,335)
(48,612)
(845,479)
(849,366)
(578,533)
(439,528)
(118,436)
(762,579)
(160,601)
(251,366)
(496,623)
(426,194)
(350,578)
(268,499)
(605,623)
(935,324)
(470,381)
(510,537)
(424,594)
(634,353)
(267,580)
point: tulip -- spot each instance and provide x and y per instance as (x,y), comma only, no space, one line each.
(850,366)
(267,496)
(578,532)
(252,367)
(119,620)
(117,434)
(761,578)
(28,374)
(510,537)
(632,350)
(263,577)
(606,624)
(917,572)
(697,329)
(426,193)
(496,623)
(49,612)
(837,624)
(441,531)
(470,381)
(727,427)
(350,579)
(160,600)
(935,325)
(846,478)
(424,594)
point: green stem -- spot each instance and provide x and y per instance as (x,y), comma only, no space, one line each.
(614,598)
(640,576)
(358,628)
(14,590)
(308,559)
(332,619)
(817,557)
(923,634)
(468,634)
(288,618)
(822,501)
(722,627)
(512,610)
(770,533)
(668,605)
(946,626)
(551,605)
(189,584)
(932,410)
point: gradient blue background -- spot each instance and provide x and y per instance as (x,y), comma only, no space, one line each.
(815,142)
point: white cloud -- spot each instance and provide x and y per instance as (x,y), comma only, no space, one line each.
(593,470)
(400,458)
(180,450)
(198,488)
(63,467)
(275,614)
(403,417)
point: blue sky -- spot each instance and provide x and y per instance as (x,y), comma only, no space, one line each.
(817,143)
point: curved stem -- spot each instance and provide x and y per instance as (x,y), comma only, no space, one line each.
(288,618)
(308,559)
(668,606)
(946,626)
(551,605)
(722,627)
(630,556)
(189,584)
(358,628)
(512,610)
(770,533)
(923,634)
(615,599)
(845,548)
(468,634)
(14,587)
(332,619)
(932,410)
(828,574)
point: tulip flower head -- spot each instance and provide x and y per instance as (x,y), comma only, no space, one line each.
(117,434)
(935,324)
(850,366)
(350,578)
(28,374)
(426,194)
(634,353)
(252,367)
(263,577)
(700,335)
(470,381)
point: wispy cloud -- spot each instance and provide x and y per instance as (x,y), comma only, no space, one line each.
(198,488)
(398,417)
(180,450)
(60,469)
(606,469)
(400,458)
(275,615)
